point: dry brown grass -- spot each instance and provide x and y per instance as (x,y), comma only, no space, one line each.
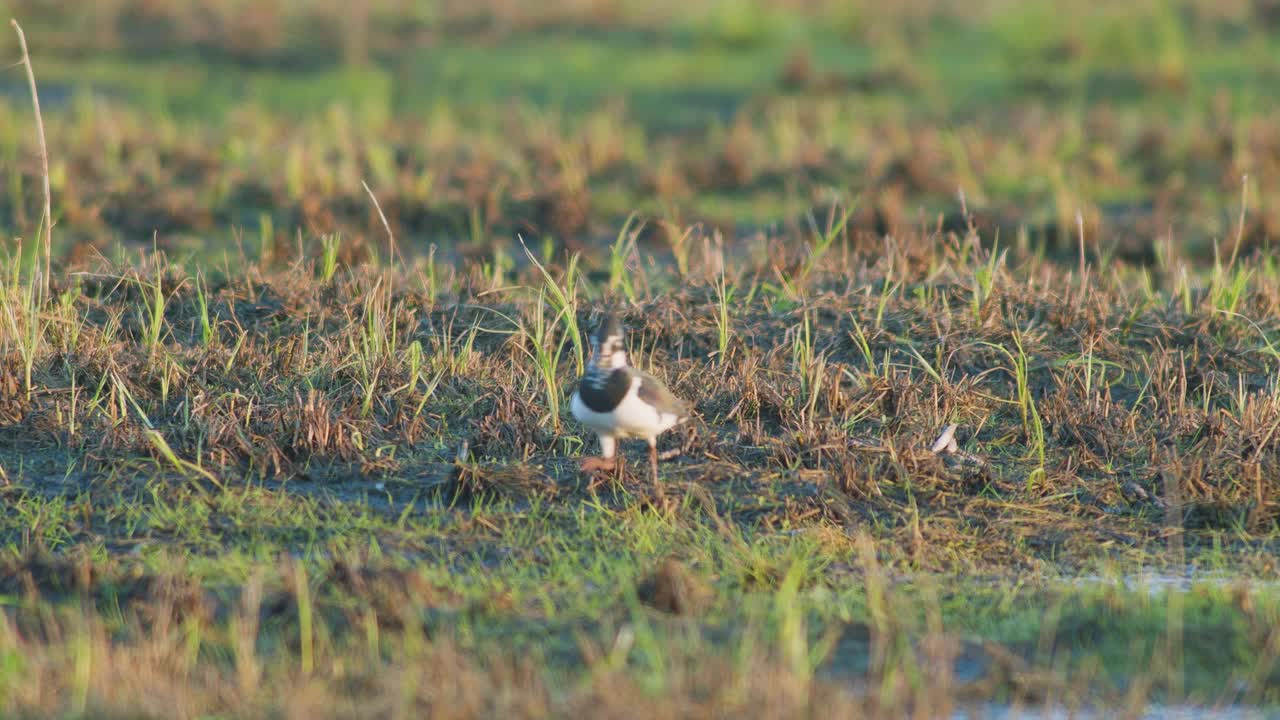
(1083,407)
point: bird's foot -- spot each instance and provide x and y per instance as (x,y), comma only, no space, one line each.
(599,464)
(604,470)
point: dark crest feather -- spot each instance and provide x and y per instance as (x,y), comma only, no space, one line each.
(607,326)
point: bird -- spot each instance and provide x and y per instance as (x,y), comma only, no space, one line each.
(619,401)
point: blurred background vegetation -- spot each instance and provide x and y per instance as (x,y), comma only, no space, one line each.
(196,124)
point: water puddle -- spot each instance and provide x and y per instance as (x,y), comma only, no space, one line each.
(1155,583)
(1151,712)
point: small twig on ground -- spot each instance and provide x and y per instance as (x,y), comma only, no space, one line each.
(684,446)
(44,159)
(946,442)
(946,445)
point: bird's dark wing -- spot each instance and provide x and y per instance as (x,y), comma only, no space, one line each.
(654,393)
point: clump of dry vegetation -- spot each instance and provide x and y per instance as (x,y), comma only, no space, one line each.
(833,356)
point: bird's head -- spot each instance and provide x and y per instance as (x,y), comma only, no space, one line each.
(607,342)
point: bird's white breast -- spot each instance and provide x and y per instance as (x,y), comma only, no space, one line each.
(631,418)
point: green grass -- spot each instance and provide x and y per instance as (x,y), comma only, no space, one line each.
(552,581)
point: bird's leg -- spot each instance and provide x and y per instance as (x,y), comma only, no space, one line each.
(653,464)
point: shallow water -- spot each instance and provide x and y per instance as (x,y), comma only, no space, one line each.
(1152,712)
(1156,582)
